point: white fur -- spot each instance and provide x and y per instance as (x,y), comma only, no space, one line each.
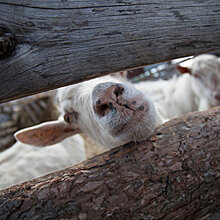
(23,162)
(78,97)
(174,97)
(186,93)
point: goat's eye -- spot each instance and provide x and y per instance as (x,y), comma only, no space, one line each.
(68,117)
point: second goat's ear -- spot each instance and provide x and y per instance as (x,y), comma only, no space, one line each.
(183,70)
(47,133)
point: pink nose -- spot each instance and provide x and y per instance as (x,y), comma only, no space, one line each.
(108,99)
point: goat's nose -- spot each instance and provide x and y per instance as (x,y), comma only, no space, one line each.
(106,101)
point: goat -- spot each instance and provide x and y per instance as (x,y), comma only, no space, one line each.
(205,70)
(105,109)
(113,113)
(23,162)
(197,90)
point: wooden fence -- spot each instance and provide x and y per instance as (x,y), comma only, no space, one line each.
(49,44)
(56,43)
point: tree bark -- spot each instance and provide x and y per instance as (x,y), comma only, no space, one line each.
(173,175)
(48,44)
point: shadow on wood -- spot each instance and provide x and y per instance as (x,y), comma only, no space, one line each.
(174,175)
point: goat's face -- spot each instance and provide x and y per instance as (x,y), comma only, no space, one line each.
(123,111)
(206,68)
(110,112)
(206,82)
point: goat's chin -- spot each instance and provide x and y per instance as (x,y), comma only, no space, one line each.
(138,133)
(124,128)
(135,130)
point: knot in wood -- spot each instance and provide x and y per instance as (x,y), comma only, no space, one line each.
(7,43)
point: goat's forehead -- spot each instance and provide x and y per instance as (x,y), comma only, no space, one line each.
(206,65)
(205,60)
(78,95)
(68,92)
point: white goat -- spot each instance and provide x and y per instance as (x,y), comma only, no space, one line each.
(196,91)
(103,108)
(113,113)
(23,162)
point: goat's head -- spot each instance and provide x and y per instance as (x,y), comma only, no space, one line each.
(206,70)
(110,112)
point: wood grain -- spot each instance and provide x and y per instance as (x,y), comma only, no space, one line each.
(64,42)
(173,175)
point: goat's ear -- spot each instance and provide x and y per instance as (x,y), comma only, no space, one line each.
(183,70)
(47,133)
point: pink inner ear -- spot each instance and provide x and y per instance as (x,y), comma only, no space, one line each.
(183,70)
(46,134)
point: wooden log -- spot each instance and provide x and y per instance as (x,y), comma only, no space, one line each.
(63,42)
(173,175)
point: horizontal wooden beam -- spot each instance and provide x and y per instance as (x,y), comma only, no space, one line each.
(174,175)
(49,44)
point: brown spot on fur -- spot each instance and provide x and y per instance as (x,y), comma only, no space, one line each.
(183,70)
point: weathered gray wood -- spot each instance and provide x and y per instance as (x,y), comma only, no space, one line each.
(63,42)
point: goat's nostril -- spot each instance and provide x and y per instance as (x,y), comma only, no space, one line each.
(102,109)
(134,103)
(118,90)
(111,106)
(141,108)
